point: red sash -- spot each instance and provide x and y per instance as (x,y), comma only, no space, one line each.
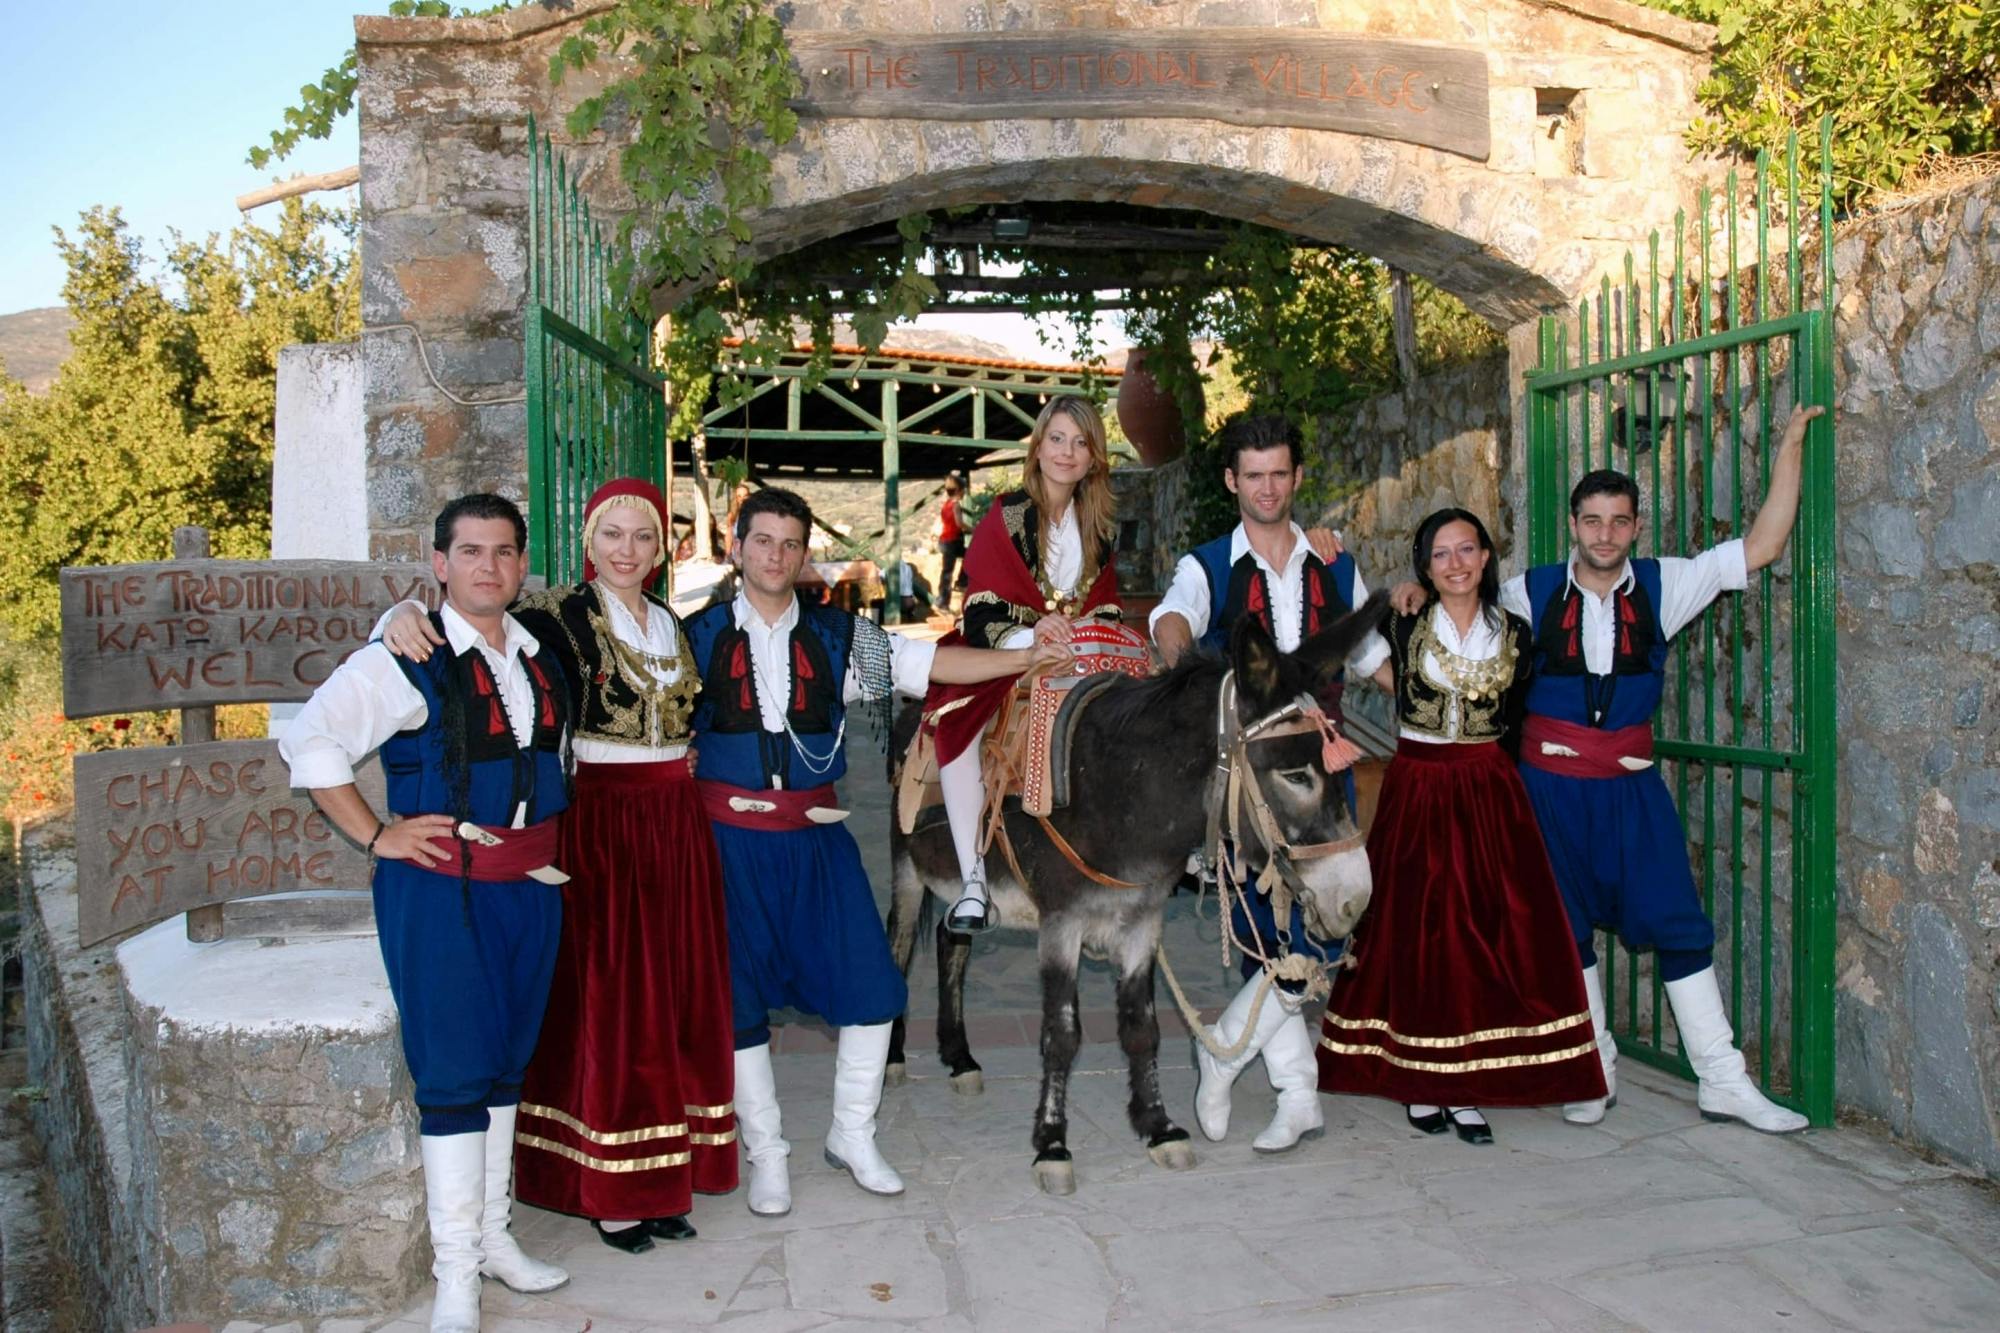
(1597,751)
(788,807)
(520,850)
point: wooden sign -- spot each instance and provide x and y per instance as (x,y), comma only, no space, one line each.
(1410,91)
(184,633)
(160,831)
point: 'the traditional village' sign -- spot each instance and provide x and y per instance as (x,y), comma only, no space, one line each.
(159,831)
(1433,95)
(185,633)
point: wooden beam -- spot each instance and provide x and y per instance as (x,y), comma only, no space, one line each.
(300,184)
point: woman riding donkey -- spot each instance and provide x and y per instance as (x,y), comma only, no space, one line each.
(1041,561)
(1466,990)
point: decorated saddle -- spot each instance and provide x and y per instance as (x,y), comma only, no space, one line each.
(1025,756)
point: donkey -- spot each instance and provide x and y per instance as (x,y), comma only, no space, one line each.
(1146,759)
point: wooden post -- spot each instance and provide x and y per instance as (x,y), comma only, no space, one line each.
(1403,326)
(204,924)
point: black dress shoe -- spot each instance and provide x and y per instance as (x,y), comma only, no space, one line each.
(1472,1131)
(1434,1123)
(669,1228)
(632,1240)
(970,916)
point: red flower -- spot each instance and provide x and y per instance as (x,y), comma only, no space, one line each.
(121,724)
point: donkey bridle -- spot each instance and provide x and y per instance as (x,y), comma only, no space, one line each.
(1235,788)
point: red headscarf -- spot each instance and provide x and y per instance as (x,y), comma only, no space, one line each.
(634,492)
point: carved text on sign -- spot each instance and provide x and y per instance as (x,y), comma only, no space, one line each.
(187,633)
(1432,95)
(162,830)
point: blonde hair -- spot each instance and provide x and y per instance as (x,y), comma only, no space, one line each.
(1096,507)
(635,502)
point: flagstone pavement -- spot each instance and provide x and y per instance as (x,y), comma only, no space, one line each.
(1654,1220)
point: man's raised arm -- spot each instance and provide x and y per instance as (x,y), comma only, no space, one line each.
(1765,541)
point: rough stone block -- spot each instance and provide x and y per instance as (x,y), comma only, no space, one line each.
(1978,799)
(1947,1102)
(1969,535)
(230,1071)
(1884,538)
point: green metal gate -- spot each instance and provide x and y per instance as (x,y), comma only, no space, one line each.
(1686,393)
(595,408)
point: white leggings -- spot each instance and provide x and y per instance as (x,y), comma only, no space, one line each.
(964,797)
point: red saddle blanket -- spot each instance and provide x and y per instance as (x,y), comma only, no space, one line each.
(1026,751)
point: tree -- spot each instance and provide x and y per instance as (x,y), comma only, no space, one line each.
(164,413)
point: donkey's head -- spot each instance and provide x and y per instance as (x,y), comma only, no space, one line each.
(1308,804)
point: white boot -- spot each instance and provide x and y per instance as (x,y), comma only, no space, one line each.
(857,1091)
(504,1258)
(454,1195)
(1216,1077)
(1725,1091)
(760,1127)
(1591,1112)
(1289,1060)
(963,787)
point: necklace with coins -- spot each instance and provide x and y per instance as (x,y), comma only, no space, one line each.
(1472,679)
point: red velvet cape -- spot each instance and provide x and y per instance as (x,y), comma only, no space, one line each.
(993,564)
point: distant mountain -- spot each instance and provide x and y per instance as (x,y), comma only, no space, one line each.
(34,344)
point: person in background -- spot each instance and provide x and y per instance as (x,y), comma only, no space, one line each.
(951,543)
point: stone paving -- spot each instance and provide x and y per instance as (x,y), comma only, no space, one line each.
(1654,1220)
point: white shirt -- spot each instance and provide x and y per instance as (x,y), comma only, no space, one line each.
(1062,566)
(1478,644)
(368,699)
(909,662)
(1687,586)
(1188,598)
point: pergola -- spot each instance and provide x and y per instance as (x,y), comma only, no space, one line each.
(887,415)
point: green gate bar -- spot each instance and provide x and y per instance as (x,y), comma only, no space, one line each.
(596,410)
(1669,379)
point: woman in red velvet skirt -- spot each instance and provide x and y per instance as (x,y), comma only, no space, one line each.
(628,1106)
(1466,989)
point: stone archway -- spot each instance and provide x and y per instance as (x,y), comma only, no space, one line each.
(1586,104)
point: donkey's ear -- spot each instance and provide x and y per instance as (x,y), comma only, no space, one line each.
(1325,652)
(1254,654)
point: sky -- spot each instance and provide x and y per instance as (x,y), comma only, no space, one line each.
(151,106)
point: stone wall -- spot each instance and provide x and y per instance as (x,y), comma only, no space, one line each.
(1918,342)
(221,1147)
(1446,440)
(1587,99)
(73,1023)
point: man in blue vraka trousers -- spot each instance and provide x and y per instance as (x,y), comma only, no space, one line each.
(473,744)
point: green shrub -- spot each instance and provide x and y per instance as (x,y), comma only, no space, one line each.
(1905,80)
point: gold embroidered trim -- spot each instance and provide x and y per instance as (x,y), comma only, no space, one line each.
(620,1165)
(601,1136)
(712,1140)
(711,1112)
(1461,1066)
(1469,1039)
